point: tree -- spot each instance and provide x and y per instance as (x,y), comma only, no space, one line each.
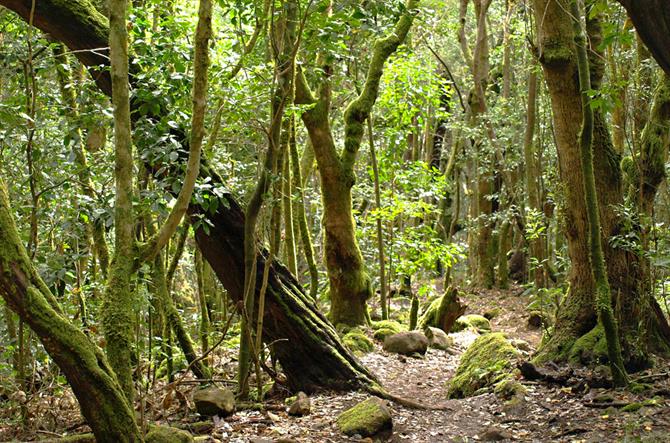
(349,281)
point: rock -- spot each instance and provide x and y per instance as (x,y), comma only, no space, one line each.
(535,319)
(489,360)
(301,406)
(474,321)
(384,328)
(214,401)
(167,434)
(443,311)
(358,342)
(438,339)
(490,314)
(366,419)
(406,343)
(494,434)
(521,345)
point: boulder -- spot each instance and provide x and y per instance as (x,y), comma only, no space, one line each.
(384,328)
(406,343)
(438,339)
(358,342)
(214,401)
(474,321)
(167,434)
(489,360)
(366,419)
(521,345)
(301,406)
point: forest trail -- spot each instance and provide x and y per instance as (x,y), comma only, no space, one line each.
(549,412)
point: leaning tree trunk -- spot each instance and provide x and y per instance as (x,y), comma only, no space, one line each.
(292,321)
(101,399)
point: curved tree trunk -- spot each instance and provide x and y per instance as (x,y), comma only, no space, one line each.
(101,399)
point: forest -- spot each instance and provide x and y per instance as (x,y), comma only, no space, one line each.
(331,221)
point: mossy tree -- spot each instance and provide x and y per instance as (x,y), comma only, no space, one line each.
(350,285)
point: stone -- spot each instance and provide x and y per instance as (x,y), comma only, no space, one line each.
(368,418)
(521,345)
(535,319)
(406,343)
(384,328)
(494,434)
(214,401)
(474,321)
(358,342)
(167,434)
(438,339)
(301,406)
(489,360)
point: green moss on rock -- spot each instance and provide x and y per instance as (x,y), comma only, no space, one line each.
(358,342)
(388,324)
(474,321)
(366,419)
(167,434)
(590,348)
(487,362)
(381,334)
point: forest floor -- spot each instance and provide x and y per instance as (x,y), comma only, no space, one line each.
(549,412)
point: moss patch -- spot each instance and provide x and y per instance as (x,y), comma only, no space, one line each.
(474,321)
(388,324)
(487,362)
(367,418)
(381,334)
(590,348)
(166,434)
(358,342)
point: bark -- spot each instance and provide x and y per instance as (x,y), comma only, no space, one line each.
(603,292)
(349,281)
(101,398)
(652,21)
(292,320)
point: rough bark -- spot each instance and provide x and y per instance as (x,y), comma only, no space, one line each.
(291,318)
(101,399)
(349,281)
(652,21)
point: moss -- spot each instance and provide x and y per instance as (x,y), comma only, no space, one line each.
(381,334)
(490,314)
(388,324)
(590,348)
(638,388)
(488,361)
(365,419)
(167,434)
(478,322)
(632,407)
(414,313)
(509,388)
(358,342)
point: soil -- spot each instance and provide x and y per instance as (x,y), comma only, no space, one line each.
(548,413)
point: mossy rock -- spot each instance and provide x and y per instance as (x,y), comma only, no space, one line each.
(366,419)
(490,314)
(167,434)
(388,324)
(590,348)
(358,342)
(509,389)
(487,362)
(381,334)
(474,321)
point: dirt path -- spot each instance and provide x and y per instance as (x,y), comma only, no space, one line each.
(549,413)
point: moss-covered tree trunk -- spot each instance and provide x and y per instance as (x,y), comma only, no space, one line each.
(603,292)
(101,398)
(349,281)
(292,320)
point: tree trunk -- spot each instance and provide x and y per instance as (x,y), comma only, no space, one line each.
(292,320)
(101,398)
